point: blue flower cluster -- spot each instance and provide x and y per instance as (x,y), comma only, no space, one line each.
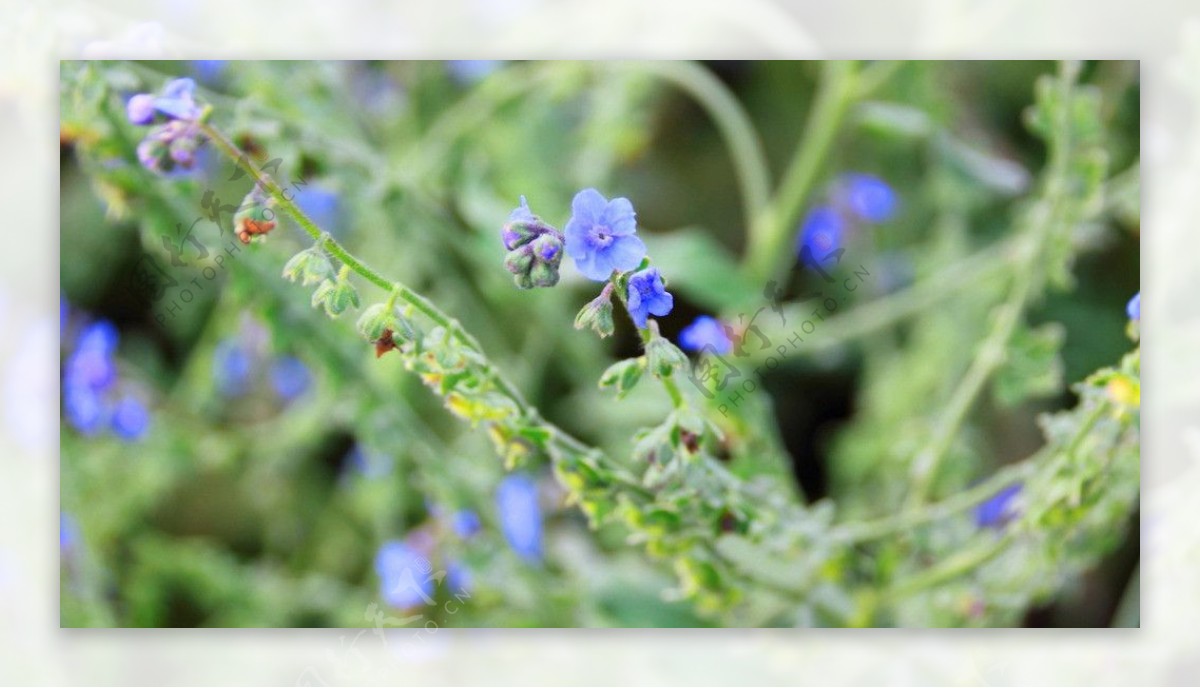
(853,198)
(405,567)
(1134,308)
(236,361)
(91,399)
(601,237)
(176,135)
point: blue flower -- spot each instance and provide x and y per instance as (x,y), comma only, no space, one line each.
(1134,308)
(68,532)
(130,419)
(465,523)
(647,296)
(231,368)
(178,100)
(404,575)
(458,577)
(705,331)
(520,516)
(321,204)
(140,109)
(998,510)
(209,71)
(601,237)
(87,411)
(869,197)
(470,71)
(821,235)
(289,377)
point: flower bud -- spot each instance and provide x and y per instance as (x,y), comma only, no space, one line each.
(623,376)
(140,109)
(664,356)
(310,266)
(597,314)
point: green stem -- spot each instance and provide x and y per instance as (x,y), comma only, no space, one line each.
(1028,277)
(959,502)
(335,249)
(732,122)
(957,565)
(766,253)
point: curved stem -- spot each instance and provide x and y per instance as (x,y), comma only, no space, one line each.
(732,122)
(335,249)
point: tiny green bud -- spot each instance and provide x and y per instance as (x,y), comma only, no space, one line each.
(543,275)
(664,356)
(310,266)
(335,297)
(623,376)
(597,314)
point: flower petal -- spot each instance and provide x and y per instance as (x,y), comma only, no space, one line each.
(587,207)
(619,217)
(626,252)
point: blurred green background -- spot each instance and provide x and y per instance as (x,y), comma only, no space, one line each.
(281,471)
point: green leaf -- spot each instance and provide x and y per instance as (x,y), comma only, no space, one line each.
(1033,367)
(623,376)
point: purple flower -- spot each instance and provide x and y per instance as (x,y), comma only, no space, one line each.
(404,575)
(869,197)
(705,331)
(1134,308)
(89,372)
(647,296)
(289,377)
(998,510)
(520,516)
(140,109)
(130,419)
(821,235)
(601,237)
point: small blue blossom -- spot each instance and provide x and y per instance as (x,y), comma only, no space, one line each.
(404,575)
(178,100)
(601,235)
(140,109)
(471,71)
(648,296)
(821,235)
(100,336)
(705,331)
(458,577)
(1134,308)
(68,533)
(999,509)
(231,368)
(209,71)
(290,377)
(520,516)
(87,411)
(465,523)
(130,419)
(869,197)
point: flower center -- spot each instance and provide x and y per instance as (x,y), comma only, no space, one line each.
(602,235)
